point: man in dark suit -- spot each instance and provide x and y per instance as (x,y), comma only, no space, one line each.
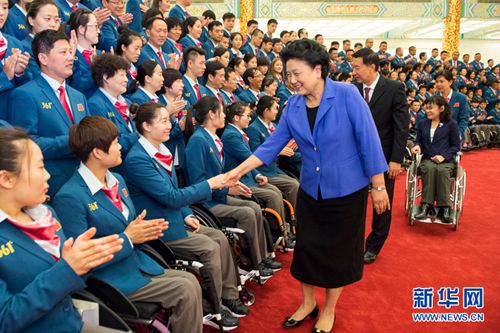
(387,101)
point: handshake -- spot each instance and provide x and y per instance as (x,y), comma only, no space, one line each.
(231,180)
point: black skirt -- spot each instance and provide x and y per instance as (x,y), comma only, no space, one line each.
(330,239)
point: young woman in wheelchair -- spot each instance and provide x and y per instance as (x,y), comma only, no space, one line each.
(438,141)
(96,197)
(153,184)
(205,159)
(39,267)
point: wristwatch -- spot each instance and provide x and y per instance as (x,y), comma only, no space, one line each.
(378,188)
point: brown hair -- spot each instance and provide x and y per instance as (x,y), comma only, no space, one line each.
(92,132)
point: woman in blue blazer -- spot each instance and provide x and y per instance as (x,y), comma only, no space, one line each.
(172,45)
(172,94)
(129,46)
(438,141)
(36,256)
(16,21)
(95,197)
(341,156)
(258,132)
(236,149)
(84,23)
(191,32)
(205,159)
(153,184)
(149,81)
(42,15)
(109,73)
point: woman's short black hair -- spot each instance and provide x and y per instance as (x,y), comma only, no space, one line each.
(107,64)
(446,74)
(170,75)
(309,51)
(440,101)
(265,103)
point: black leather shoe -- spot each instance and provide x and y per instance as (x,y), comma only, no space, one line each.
(425,209)
(290,323)
(235,307)
(445,214)
(369,257)
(317,330)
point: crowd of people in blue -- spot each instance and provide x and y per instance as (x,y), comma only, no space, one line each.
(145,90)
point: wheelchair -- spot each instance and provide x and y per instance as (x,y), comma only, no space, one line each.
(118,312)
(413,190)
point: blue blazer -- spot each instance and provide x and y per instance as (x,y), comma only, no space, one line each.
(82,79)
(6,85)
(344,150)
(209,48)
(108,35)
(227,99)
(204,37)
(412,62)
(344,67)
(490,95)
(33,70)
(100,105)
(16,23)
(153,189)
(236,150)
(257,135)
(249,49)
(148,53)
(410,84)
(187,41)
(65,10)
(177,11)
(496,116)
(32,297)
(36,108)
(134,9)
(446,140)
(140,97)
(434,63)
(189,94)
(247,96)
(92,4)
(79,210)
(460,110)
(203,162)
(460,64)
(3,123)
(475,65)
(169,48)
(283,94)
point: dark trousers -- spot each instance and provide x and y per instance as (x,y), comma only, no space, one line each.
(381,223)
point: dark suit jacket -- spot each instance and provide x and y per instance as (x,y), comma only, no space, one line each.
(390,113)
(446,141)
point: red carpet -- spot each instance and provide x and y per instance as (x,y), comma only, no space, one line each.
(420,256)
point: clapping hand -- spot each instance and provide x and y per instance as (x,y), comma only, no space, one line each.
(140,231)
(85,253)
(101,15)
(126,18)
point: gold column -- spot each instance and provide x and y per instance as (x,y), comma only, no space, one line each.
(451,32)
(246,13)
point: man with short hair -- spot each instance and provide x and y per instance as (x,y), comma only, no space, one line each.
(346,65)
(47,107)
(476,64)
(369,43)
(194,58)
(319,39)
(382,52)
(229,87)
(433,60)
(272,24)
(253,79)
(252,25)
(109,30)
(346,45)
(454,62)
(214,78)
(284,36)
(410,58)
(228,20)
(157,31)
(206,18)
(215,36)
(254,46)
(387,101)
(277,47)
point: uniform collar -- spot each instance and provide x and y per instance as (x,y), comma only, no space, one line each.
(150,149)
(111,98)
(237,128)
(91,180)
(151,96)
(36,213)
(53,83)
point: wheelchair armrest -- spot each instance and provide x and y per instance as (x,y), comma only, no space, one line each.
(235,230)
(163,251)
(107,317)
(153,254)
(111,297)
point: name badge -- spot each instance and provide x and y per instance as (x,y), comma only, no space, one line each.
(188,94)
(111,114)
(6,249)
(47,105)
(456,105)
(80,107)
(211,150)
(125,193)
(21,26)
